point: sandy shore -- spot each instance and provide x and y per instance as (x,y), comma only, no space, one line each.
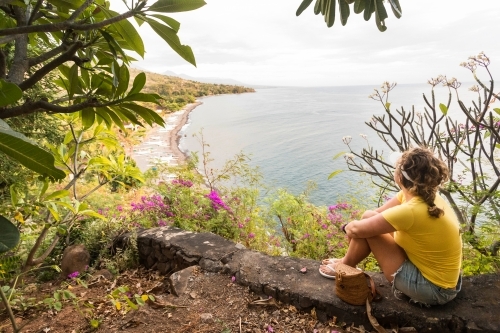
(161,144)
(175,137)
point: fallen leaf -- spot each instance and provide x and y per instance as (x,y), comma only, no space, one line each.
(265,302)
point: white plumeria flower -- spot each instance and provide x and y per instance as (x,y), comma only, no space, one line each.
(349,156)
(347,139)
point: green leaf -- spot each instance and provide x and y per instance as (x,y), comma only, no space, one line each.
(333,174)
(53,211)
(330,14)
(71,4)
(140,97)
(344,11)
(127,115)
(73,81)
(369,9)
(89,212)
(127,31)
(170,36)
(342,153)
(116,119)
(174,6)
(359,6)
(19,147)
(9,93)
(380,15)
(303,6)
(443,108)
(139,82)
(497,145)
(147,114)
(396,8)
(388,106)
(497,110)
(57,195)
(123,80)
(14,198)
(88,117)
(58,306)
(317,7)
(9,235)
(169,21)
(94,323)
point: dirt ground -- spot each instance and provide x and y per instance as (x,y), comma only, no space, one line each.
(211,303)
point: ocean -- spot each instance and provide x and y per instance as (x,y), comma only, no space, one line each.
(293,133)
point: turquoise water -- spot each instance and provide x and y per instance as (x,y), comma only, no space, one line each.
(292,133)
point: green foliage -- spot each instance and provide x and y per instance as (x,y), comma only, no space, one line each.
(77,51)
(124,302)
(327,8)
(17,146)
(56,301)
(16,299)
(9,235)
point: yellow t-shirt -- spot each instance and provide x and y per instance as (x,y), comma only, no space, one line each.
(432,244)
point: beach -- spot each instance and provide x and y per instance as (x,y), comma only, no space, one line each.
(161,144)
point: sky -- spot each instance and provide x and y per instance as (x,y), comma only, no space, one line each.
(263,42)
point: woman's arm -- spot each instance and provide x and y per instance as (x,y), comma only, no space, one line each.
(388,204)
(369,227)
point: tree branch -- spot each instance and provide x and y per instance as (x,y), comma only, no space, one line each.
(20,63)
(53,27)
(77,12)
(7,39)
(46,56)
(3,65)
(32,107)
(40,74)
(35,12)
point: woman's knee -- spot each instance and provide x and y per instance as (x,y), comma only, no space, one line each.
(369,213)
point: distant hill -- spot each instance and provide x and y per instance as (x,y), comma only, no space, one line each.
(177,92)
(215,80)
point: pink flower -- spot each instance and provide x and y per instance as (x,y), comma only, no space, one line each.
(73,275)
(270,328)
(233,278)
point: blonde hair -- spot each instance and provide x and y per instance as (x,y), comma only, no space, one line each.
(427,173)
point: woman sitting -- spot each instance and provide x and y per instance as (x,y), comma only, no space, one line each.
(415,236)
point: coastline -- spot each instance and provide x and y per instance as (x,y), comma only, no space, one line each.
(175,138)
(161,144)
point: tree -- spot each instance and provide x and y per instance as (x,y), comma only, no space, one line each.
(468,143)
(327,8)
(86,46)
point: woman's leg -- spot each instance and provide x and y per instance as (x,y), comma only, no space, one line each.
(388,254)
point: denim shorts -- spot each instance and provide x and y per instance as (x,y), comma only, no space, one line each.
(409,281)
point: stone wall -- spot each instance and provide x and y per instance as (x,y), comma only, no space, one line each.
(168,250)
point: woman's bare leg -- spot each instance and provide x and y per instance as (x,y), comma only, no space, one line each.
(388,254)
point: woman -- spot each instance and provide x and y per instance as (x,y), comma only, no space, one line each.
(415,236)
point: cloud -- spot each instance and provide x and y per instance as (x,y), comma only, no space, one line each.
(263,42)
